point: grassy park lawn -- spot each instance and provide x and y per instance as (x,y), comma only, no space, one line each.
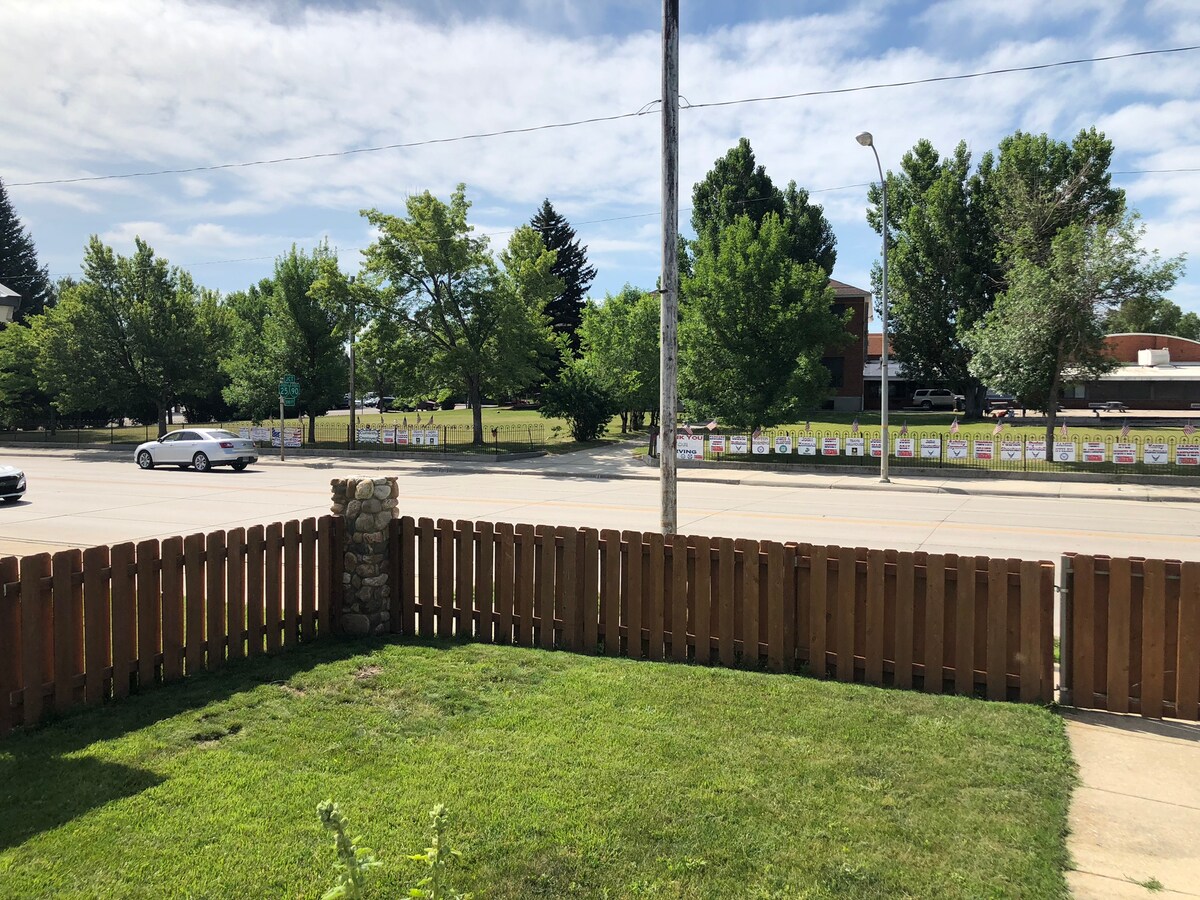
(565,776)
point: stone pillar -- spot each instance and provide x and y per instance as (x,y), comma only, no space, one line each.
(368,504)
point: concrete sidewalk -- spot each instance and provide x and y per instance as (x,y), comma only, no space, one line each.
(1135,815)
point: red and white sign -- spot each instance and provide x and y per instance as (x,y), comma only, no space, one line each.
(783,443)
(831,446)
(906,448)
(1035,449)
(855,446)
(389,435)
(1064,451)
(689,446)
(738,443)
(806,445)
(956,448)
(1125,454)
(1011,451)
(877,447)
(402,438)
(931,448)
(983,449)
(1154,454)
(1094,452)
(1187,454)
(716,444)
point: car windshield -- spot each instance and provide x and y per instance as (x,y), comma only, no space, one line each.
(223,435)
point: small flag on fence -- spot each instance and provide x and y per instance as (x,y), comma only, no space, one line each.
(904,427)
(1189,429)
(1063,430)
(687,429)
(999,427)
(954,426)
(711,425)
(757,432)
(405,422)
(807,425)
(418,420)
(1125,429)
(495,432)
(854,426)
(430,422)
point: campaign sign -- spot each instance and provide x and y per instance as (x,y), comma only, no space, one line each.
(291,436)
(689,446)
(260,433)
(738,443)
(1011,451)
(368,436)
(931,448)
(956,448)
(783,443)
(877,446)
(1094,452)
(1187,454)
(1125,454)
(1064,452)
(906,448)
(984,449)
(716,444)
(389,436)
(760,445)
(1154,454)
(244,433)
(402,438)
(418,437)
(854,446)
(431,437)
(831,446)
(806,446)
(1035,449)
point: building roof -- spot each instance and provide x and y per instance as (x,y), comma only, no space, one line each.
(1173,372)
(841,289)
(875,346)
(1124,346)
(7,293)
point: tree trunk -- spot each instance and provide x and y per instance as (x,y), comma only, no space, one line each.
(975,401)
(162,418)
(475,401)
(312,428)
(1051,410)
(625,422)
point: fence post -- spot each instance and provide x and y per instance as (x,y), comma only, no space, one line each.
(368,505)
(1065,617)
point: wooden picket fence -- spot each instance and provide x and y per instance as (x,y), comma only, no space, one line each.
(1132,635)
(940,623)
(80,627)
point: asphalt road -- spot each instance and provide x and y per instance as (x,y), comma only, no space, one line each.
(88,498)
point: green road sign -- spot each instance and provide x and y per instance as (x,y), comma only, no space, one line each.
(289,390)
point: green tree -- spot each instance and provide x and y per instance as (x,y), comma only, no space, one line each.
(943,273)
(482,328)
(1048,325)
(1153,315)
(19,267)
(22,400)
(131,335)
(571,268)
(736,186)
(582,397)
(250,369)
(620,342)
(755,325)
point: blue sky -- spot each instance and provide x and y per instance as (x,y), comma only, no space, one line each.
(91,88)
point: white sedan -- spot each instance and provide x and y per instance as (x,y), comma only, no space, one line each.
(200,448)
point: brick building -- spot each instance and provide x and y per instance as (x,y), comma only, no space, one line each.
(845,363)
(1157,371)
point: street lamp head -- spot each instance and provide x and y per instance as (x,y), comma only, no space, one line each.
(865,139)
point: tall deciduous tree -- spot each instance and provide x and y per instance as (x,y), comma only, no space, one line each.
(1048,325)
(755,325)
(483,328)
(737,186)
(134,333)
(1153,315)
(620,341)
(22,401)
(571,267)
(19,266)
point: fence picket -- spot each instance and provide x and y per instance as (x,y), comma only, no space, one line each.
(149,611)
(124,637)
(214,569)
(543,611)
(610,590)
(876,590)
(235,590)
(68,625)
(567,586)
(464,580)
(526,562)
(965,605)
(726,625)
(445,578)
(407,539)
(308,579)
(425,575)
(506,582)
(485,592)
(256,552)
(273,587)
(589,584)
(777,605)
(702,602)
(846,601)
(678,581)
(1187,665)
(1119,598)
(1083,592)
(631,586)
(291,584)
(36,644)
(935,613)
(10,639)
(194,605)
(1032,687)
(751,583)
(97,617)
(997,629)
(329,567)
(653,594)
(1154,623)
(818,624)
(906,603)
(172,607)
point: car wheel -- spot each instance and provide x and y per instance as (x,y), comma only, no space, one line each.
(145,460)
(200,462)
(926,404)
(238,466)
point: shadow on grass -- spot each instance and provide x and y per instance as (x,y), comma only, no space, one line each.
(32,759)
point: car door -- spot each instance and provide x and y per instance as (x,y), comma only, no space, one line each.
(167,450)
(189,443)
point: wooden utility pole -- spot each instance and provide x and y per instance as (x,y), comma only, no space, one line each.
(668,392)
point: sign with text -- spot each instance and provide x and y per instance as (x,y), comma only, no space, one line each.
(368,436)
(1011,451)
(1187,454)
(806,445)
(906,448)
(292,436)
(1064,451)
(783,443)
(984,450)
(760,445)
(738,443)
(956,448)
(831,446)
(1125,453)
(402,438)
(431,437)
(877,446)
(931,448)
(716,444)
(1035,450)
(855,446)
(1154,454)
(689,446)
(1094,452)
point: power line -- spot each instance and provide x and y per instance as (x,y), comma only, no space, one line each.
(644,110)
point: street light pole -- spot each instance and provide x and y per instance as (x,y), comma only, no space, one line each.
(868,141)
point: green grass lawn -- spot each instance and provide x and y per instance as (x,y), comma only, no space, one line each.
(565,776)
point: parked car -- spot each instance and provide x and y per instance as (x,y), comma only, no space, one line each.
(12,484)
(427,404)
(371,400)
(995,400)
(938,398)
(386,403)
(200,448)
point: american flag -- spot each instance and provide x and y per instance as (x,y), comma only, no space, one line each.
(1125,429)
(807,425)
(687,429)
(904,428)
(711,426)
(418,420)
(430,422)
(854,426)
(1063,430)
(999,427)
(405,423)
(757,432)
(1189,429)
(954,426)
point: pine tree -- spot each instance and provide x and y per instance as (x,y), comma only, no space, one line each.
(19,269)
(570,267)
